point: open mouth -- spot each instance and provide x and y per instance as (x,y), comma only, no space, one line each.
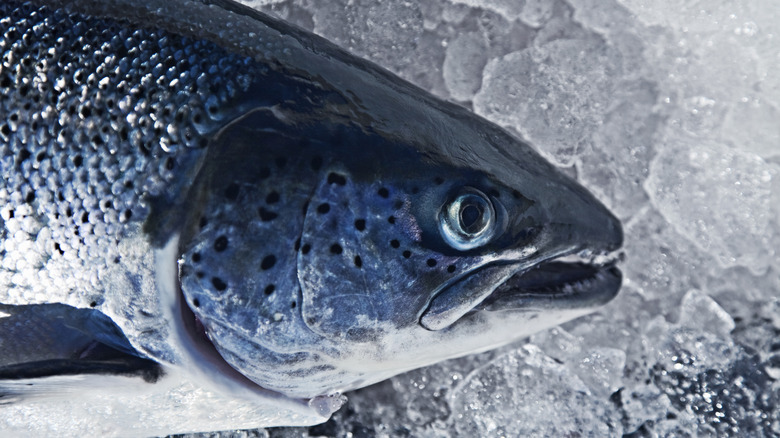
(581,281)
(560,283)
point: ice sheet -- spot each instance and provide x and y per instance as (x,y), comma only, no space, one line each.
(669,112)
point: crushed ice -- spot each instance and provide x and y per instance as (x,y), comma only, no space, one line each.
(669,112)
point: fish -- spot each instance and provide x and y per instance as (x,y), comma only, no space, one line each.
(211,219)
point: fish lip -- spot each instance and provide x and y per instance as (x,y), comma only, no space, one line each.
(589,280)
(584,285)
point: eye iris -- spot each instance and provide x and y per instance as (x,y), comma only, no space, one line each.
(468,221)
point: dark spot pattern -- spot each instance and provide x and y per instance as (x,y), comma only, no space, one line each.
(391,219)
(338,179)
(360,224)
(431,262)
(272,198)
(383,192)
(231,192)
(358,261)
(267,215)
(269,289)
(407,254)
(395,243)
(305,248)
(220,244)
(268,262)
(451,269)
(323,208)
(336,249)
(218,283)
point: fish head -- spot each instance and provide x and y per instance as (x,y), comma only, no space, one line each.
(386,256)
(424,257)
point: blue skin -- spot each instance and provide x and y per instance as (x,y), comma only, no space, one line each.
(403,154)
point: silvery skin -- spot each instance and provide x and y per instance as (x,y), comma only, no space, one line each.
(207,210)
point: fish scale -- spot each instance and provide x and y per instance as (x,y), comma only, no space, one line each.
(74,184)
(251,221)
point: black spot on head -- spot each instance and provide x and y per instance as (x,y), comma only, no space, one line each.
(269,289)
(431,262)
(336,249)
(323,208)
(268,262)
(84,217)
(220,244)
(267,215)
(391,219)
(196,302)
(231,192)
(196,257)
(218,283)
(30,197)
(398,204)
(451,269)
(93,304)
(338,179)
(395,243)
(358,261)
(298,244)
(407,254)
(78,160)
(305,248)
(128,214)
(263,173)
(438,180)
(272,198)
(360,224)
(383,192)
(203,222)
(316,163)
(292,306)
(58,248)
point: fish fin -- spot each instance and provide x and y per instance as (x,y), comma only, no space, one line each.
(51,348)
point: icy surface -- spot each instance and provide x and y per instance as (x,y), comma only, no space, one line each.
(670,112)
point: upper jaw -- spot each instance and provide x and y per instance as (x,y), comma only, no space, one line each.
(566,278)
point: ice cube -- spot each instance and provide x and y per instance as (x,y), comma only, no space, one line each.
(717,197)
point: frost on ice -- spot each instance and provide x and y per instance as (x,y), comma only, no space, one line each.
(670,112)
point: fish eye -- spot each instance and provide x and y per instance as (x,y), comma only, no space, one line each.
(467,221)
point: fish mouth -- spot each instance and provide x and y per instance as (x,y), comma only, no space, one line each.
(564,282)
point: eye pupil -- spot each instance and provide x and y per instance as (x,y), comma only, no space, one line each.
(470,218)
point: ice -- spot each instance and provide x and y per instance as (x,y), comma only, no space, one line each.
(531,394)
(555,95)
(510,9)
(698,310)
(466,57)
(717,197)
(384,32)
(668,111)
